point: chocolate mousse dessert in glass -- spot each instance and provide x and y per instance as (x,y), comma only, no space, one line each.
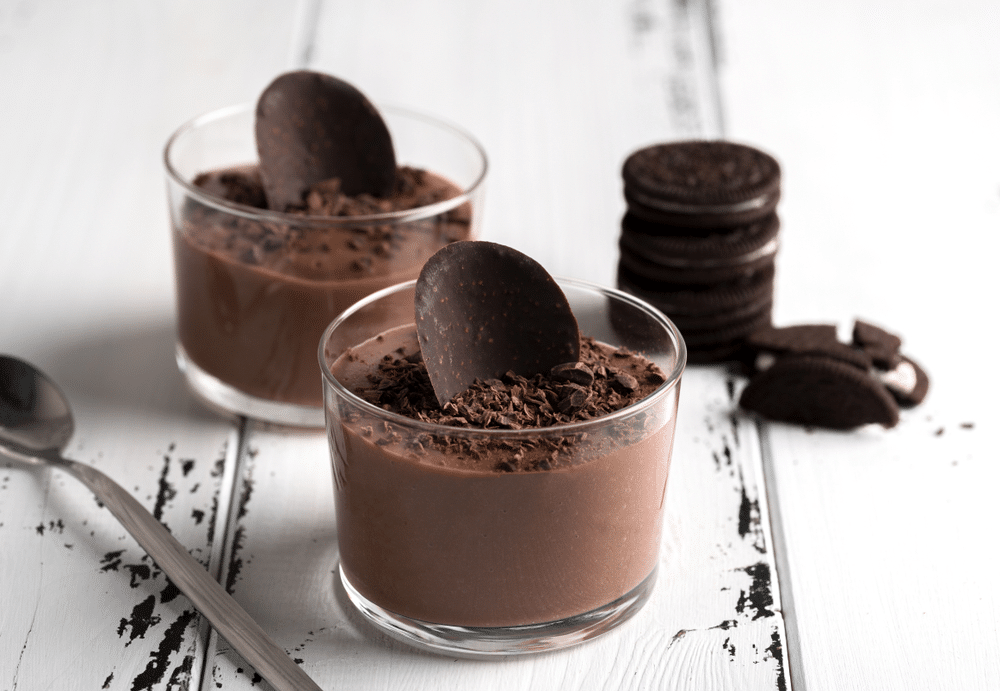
(262,271)
(464,530)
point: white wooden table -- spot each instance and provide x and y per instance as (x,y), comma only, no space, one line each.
(791,559)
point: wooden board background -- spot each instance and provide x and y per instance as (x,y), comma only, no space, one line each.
(884,120)
(884,117)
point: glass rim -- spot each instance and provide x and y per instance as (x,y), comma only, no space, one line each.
(390,217)
(671,383)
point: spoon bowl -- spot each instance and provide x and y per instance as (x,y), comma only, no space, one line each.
(34,413)
(36,423)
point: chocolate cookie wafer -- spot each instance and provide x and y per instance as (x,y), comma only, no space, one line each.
(686,256)
(699,239)
(709,184)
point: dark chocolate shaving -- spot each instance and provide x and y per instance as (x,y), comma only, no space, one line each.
(312,127)
(483,309)
(514,402)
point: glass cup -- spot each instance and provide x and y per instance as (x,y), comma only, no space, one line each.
(478,562)
(256,288)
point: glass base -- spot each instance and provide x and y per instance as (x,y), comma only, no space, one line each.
(491,642)
(223,397)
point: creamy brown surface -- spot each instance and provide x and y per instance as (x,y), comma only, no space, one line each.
(446,538)
(254,296)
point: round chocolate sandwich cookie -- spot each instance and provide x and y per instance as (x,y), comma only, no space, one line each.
(726,341)
(722,320)
(714,320)
(701,183)
(722,255)
(726,329)
(699,300)
(714,355)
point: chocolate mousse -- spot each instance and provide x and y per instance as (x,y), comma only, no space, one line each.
(263,267)
(522,500)
(254,294)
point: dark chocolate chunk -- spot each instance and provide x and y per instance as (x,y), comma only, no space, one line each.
(624,383)
(242,186)
(574,397)
(575,372)
(312,127)
(819,391)
(483,309)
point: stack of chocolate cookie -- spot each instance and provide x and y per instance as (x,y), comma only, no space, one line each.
(699,239)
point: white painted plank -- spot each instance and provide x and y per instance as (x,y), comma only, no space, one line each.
(713,622)
(102,326)
(559,93)
(91,92)
(558,108)
(884,118)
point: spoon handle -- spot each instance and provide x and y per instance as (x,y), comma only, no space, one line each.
(210,598)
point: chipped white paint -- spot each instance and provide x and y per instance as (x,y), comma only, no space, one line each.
(888,533)
(91,92)
(557,117)
(884,117)
(713,622)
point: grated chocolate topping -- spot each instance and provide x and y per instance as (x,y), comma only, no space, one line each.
(604,381)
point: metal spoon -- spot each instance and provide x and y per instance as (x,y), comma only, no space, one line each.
(35,425)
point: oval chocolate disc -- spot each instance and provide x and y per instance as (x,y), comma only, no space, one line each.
(312,127)
(483,309)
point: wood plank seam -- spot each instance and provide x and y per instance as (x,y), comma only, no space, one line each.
(793,644)
(698,20)
(704,23)
(225,541)
(303,43)
(693,90)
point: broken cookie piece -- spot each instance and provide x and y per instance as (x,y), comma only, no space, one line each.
(907,382)
(803,374)
(807,339)
(819,391)
(877,342)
